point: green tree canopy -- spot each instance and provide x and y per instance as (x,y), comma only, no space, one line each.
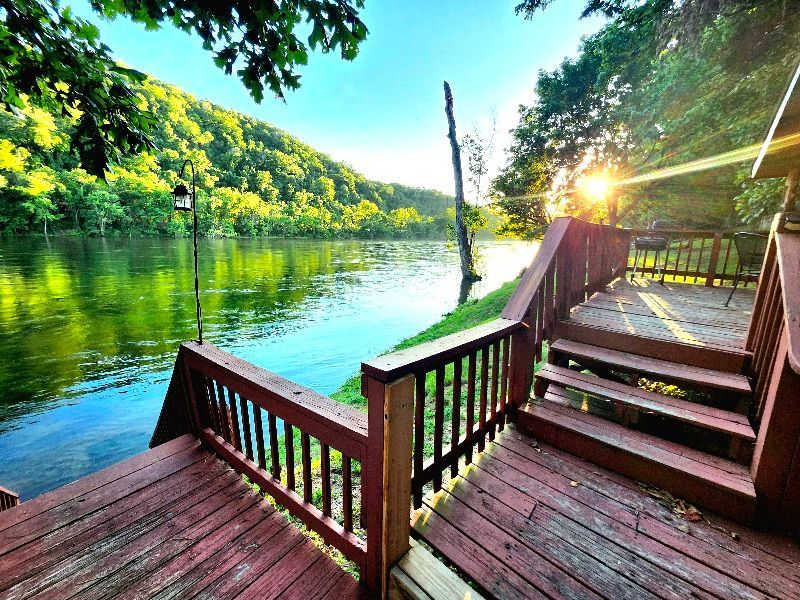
(57,61)
(661,84)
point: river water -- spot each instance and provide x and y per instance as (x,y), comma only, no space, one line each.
(89,328)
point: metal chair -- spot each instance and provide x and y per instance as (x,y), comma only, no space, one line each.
(751,248)
(644,244)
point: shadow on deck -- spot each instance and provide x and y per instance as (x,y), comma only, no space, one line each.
(527,520)
(173,522)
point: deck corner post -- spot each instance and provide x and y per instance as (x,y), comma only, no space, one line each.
(387,490)
(711,275)
(520,373)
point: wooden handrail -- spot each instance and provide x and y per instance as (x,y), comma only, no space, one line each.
(236,409)
(774,339)
(8,499)
(329,421)
(520,301)
(424,357)
(788,256)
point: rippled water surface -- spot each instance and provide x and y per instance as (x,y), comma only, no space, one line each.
(89,328)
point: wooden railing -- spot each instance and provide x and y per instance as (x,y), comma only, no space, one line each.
(8,499)
(575,260)
(477,359)
(774,340)
(467,385)
(692,254)
(254,420)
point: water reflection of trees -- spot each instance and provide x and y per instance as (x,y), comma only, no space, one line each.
(77,310)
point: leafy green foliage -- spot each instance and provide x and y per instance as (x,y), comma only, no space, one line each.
(57,61)
(54,60)
(258,38)
(253,179)
(661,84)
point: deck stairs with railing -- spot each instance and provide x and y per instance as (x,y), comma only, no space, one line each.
(649,379)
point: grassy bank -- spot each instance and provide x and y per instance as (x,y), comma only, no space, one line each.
(469,314)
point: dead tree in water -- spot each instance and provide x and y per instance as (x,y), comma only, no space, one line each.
(468,272)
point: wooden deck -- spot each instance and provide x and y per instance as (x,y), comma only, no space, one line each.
(675,312)
(173,522)
(530,521)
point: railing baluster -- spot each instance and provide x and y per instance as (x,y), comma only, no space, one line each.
(274,453)
(234,414)
(725,262)
(493,398)
(470,424)
(537,356)
(548,287)
(262,459)
(699,259)
(689,257)
(438,427)
(223,413)
(419,437)
(248,436)
(305,451)
(288,441)
(504,384)
(455,421)
(214,408)
(325,462)
(347,493)
(483,397)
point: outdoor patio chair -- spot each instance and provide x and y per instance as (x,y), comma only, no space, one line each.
(751,248)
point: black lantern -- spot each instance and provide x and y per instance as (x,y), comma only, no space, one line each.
(183,198)
(185,201)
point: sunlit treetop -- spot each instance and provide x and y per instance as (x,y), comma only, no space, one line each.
(57,61)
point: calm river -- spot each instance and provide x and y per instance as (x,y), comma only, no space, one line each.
(89,328)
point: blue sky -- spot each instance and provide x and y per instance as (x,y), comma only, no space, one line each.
(384,112)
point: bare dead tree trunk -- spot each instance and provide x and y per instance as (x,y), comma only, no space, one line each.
(464,247)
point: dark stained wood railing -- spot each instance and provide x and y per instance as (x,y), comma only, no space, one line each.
(268,429)
(461,384)
(469,384)
(250,416)
(575,260)
(774,340)
(692,254)
(8,499)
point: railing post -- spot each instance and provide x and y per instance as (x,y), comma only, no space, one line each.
(713,260)
(520,374)
(387,491)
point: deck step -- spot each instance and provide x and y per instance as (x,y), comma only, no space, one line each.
(704,479)
(703,355)
(663,370)
(705,417)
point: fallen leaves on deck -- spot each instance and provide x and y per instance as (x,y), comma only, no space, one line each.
(678,506)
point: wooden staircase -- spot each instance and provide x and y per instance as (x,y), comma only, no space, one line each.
(588,401)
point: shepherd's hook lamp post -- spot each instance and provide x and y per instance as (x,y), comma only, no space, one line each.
(187,201)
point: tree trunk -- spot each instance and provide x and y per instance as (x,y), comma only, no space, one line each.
(613,219)
(45,227)
(790,193)
(464,247)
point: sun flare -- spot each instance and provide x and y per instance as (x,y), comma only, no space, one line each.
(595,186)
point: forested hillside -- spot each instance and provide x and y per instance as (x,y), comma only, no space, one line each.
(662,84)
(253,178)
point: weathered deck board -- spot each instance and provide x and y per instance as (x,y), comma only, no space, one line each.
(599,527)
(675,312)
(172,522)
